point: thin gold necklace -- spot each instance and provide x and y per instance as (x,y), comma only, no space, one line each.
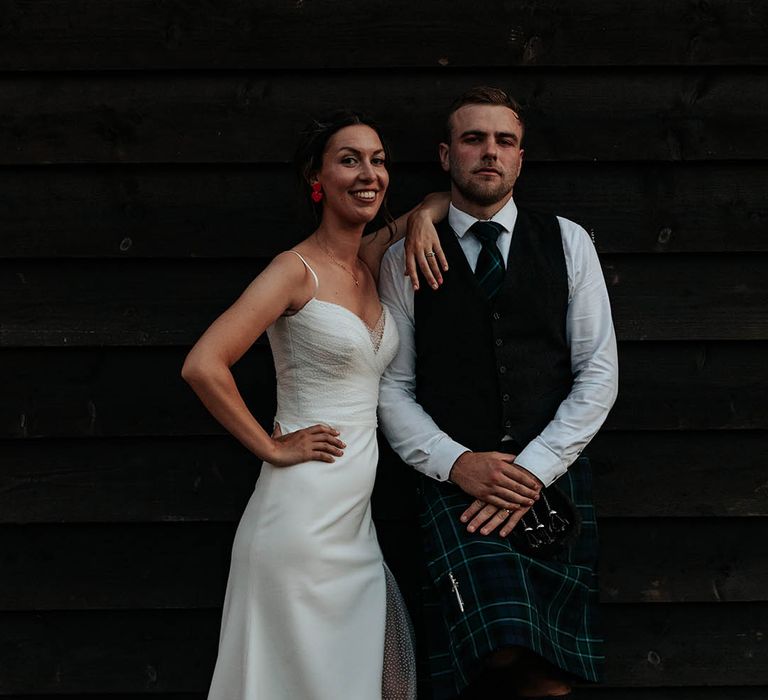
(327,251)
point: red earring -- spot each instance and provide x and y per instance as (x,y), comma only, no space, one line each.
(317,192)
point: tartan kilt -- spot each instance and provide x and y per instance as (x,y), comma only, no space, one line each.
(510,599)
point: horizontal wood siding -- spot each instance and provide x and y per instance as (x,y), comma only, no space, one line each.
(147,35)
(184,565)
(173,650)
(223,211)
(145,179)
(662,115)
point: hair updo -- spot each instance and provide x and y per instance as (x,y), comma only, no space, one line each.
(313,141)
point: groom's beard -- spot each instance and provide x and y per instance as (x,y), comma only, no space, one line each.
(483,193)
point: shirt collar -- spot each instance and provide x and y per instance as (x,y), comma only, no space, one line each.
(460,221)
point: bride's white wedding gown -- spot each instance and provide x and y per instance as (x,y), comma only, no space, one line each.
(309,601)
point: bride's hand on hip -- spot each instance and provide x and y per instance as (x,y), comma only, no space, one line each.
(318,443)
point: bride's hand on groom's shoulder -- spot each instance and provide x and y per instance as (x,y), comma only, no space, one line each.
(317,443)
(422,244)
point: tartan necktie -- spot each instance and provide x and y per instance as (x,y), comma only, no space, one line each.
(489,272)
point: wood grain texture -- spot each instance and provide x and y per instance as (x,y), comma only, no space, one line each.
(209,479)
(745,693)
(683,560)
(193,479)
(88,392)
(109,696)
(575,115)
(697,297)
(236,211)
(680,474)
(686,645)
(145,179)
(173,651)
(135,480)
(119,392)
(112,652)
(696,386)
(613,693)
(125,302)
(116,302)
(597,693)
(185,566)
(98,567)
(237,34)
(655,207)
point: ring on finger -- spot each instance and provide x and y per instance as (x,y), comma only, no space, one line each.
(430,254)
(504,512)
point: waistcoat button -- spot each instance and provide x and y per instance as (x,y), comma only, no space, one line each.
(499,341)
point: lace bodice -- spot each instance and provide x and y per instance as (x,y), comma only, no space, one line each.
(328,364)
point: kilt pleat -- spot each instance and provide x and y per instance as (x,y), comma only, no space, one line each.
(508,598)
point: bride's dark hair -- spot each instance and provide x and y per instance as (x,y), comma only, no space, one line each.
(308,158)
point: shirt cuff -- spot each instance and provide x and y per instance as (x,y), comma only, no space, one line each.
(442,458)
(544,464)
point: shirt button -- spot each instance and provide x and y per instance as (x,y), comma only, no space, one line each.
(499,341)
(505,397)
(502,370)
(496,315)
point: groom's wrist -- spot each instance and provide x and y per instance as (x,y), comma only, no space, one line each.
(456,466)
(443,457)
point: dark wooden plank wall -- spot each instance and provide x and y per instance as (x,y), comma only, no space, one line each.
(144,179)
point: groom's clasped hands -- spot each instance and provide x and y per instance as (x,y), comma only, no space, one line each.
(504,491)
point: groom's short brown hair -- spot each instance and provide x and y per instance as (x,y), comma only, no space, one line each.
(482,95)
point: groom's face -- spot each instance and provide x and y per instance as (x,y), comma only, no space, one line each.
(484,156)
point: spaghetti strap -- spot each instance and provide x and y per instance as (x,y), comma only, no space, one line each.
(298,255)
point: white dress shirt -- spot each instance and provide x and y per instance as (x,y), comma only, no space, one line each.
(589,331)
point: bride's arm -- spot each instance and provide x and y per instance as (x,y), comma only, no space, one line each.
(418,224)
(284,284)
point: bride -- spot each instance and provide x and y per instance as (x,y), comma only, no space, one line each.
(311,611)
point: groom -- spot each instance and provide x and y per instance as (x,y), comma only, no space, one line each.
(503,376)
